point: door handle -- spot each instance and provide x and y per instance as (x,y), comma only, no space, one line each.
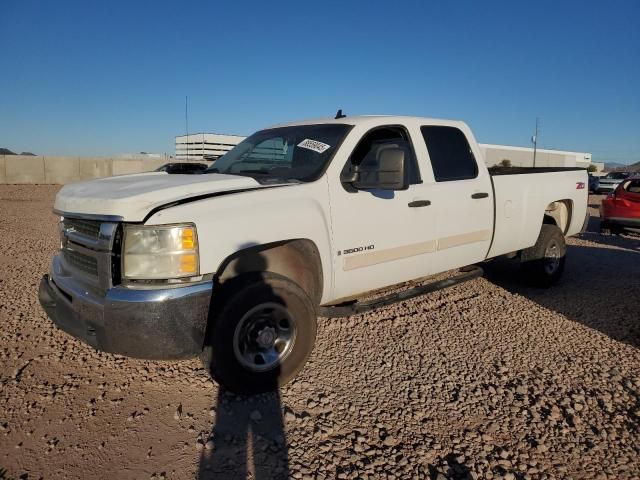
(419,203)
(480,195)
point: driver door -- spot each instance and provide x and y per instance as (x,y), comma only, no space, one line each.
(381,237)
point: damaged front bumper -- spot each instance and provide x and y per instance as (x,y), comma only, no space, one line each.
(167,323)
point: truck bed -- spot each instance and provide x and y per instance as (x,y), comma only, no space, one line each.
(522,199)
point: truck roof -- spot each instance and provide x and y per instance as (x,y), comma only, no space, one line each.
(372,120)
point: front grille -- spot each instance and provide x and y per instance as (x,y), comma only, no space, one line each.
(82,262)
(88,228)
(88,252)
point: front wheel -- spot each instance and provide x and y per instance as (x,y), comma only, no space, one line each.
(261,336)
(544,262)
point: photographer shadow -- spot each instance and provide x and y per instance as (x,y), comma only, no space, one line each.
(248,438)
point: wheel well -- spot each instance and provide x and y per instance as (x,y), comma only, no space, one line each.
(298,260)
(558,213)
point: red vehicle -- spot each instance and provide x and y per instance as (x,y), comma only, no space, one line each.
(621,208)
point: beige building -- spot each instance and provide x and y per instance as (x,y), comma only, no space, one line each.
(205,146)
(523,157)
(210,146)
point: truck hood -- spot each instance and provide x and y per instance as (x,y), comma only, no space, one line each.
(132,197)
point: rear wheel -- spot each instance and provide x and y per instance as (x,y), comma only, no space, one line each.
(544,262)
(261,335)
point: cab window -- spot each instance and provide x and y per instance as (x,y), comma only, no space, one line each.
(367,152)
(450,153)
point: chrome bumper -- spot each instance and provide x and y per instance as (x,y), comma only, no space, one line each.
(166,323)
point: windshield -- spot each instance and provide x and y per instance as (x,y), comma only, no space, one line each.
(617,175)
(291,154)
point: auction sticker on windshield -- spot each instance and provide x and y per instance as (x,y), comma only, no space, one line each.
(314,145)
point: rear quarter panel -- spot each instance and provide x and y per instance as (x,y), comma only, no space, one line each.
(521,201)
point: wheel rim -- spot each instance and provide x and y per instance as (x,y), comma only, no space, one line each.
(264,337)
(552,258)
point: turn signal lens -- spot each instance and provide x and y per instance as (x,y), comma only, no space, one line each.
(188,263)
(188,239)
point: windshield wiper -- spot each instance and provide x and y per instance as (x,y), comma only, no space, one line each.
(271,177)
(282,179)
(262,173)
(256,172)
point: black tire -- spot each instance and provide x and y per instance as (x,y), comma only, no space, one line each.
(617,230)
(543,263)
(244,312)
(607,228)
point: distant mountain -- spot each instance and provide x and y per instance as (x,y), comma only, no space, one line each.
(621,167)
(6,151)
(614,166)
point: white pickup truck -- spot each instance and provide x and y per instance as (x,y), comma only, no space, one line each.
(298,220)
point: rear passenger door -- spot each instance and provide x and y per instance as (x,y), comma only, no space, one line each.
(461,195)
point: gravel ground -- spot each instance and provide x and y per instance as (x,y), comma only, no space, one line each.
(490,379)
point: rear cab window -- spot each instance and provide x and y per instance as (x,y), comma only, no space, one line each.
(450,153)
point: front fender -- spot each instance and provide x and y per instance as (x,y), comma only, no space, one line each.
(234,222)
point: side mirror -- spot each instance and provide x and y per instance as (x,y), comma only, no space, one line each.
(390,174)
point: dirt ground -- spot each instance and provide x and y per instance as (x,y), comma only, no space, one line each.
(490,379)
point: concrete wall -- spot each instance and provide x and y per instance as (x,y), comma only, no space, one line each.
(24,169)
(94,168)
(27,169)
(124,167)
(61,170)
(155,163)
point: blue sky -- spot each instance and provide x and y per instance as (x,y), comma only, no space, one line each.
(100,78)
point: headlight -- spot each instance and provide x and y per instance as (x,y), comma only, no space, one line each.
(160,252)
